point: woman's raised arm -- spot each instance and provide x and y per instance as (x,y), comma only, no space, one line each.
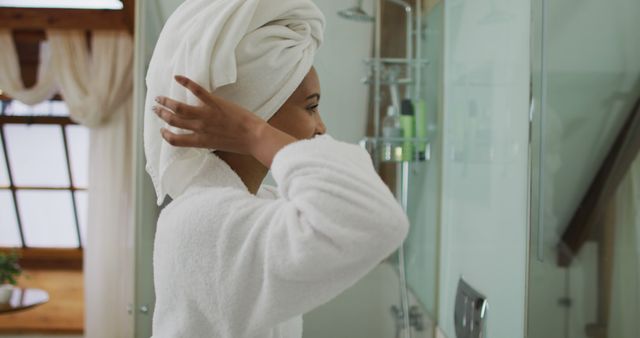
(219,124)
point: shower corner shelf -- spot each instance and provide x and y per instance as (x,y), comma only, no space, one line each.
(393,149)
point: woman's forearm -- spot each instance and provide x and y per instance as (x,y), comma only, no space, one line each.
(267,141)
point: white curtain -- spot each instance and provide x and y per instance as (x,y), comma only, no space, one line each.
(625,294)
(97,85)
(11,81)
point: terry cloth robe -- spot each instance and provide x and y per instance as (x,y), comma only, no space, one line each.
(231,264)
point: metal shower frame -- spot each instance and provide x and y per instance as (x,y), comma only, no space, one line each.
(413,63)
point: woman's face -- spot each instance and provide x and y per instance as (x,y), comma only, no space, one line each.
(299,116)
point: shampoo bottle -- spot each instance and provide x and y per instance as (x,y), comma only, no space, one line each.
(391,131)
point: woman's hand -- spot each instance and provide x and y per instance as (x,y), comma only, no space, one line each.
(219,124)
(215,123)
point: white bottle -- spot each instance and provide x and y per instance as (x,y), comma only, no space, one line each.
(392,133)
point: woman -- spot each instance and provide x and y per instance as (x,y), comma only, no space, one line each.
(233,258)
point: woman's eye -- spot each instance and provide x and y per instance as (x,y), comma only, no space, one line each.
(313,109)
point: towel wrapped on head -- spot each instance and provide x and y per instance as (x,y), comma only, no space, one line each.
(252,52)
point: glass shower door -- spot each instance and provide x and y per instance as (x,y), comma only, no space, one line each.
(584,236)
(422,246)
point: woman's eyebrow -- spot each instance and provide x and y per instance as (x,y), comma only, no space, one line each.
(316,95)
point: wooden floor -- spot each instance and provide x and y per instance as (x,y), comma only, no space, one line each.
(64,313)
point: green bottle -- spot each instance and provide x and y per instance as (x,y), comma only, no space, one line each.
(421,128)
(407,122)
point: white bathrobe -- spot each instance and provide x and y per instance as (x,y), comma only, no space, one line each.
(231,264)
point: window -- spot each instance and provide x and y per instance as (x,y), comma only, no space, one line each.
(43,176)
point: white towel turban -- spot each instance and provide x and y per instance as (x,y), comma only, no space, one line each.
(253,52)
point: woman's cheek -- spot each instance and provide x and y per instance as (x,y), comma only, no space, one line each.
(310,126)
(303,125)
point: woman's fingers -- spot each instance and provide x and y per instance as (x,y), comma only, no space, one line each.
(196,89)
(178,107)
(215,122)
(181,140)
(176,120)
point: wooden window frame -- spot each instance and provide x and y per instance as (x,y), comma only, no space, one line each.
(43,258)
(48,258)
(28,25)
(62,18)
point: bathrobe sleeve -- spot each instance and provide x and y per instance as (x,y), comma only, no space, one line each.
(335,220)
(272,260)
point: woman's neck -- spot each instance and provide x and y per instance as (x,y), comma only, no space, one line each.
(250,170)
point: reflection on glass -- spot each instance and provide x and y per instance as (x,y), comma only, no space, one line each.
(48,219)
(586,87)
(9,233)
(78,140)
(36,154)
(623,310)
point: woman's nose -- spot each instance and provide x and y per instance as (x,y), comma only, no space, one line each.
(320,127)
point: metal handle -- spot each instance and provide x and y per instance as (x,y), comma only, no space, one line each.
(144,309)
